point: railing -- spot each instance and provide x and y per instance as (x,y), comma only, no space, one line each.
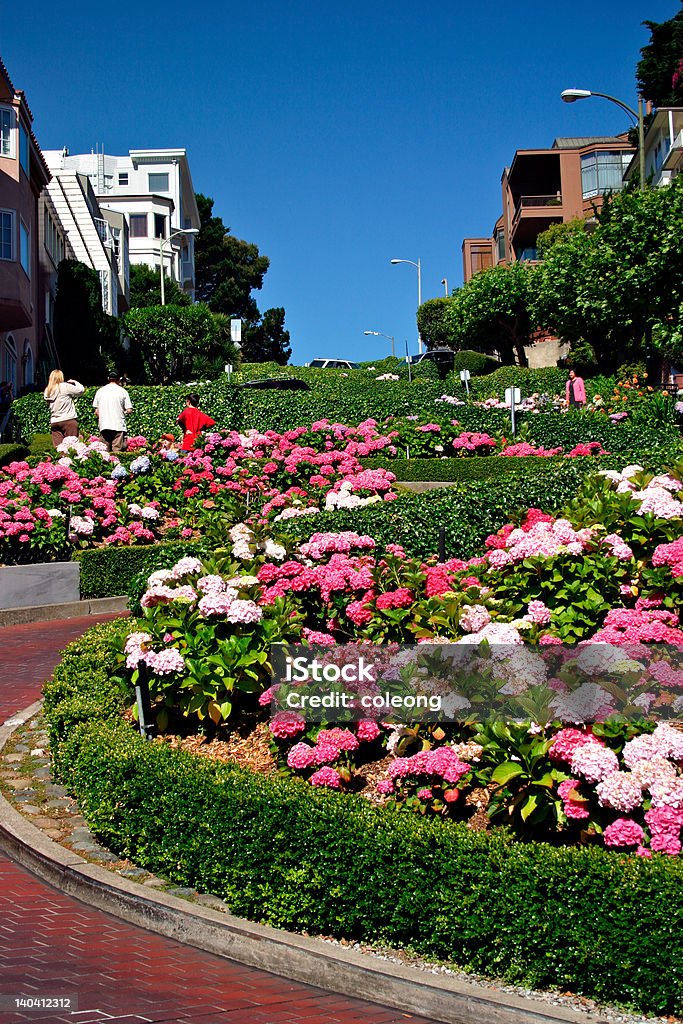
(104,231)
(526,202)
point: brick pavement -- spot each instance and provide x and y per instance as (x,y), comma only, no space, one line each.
(54,945)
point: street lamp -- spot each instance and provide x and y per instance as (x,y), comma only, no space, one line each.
(572,95)
(389,337)
(419,294)
(162,243)
(444,282)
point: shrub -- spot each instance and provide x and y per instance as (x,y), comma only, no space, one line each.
(574,918)
(113,571)
(478,467)
(12,453)
(476,362)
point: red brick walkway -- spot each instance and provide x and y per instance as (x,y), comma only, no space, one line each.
(52,945)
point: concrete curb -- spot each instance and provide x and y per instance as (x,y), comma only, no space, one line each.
(70,610)
(295,957)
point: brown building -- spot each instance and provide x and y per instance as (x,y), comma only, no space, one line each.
(26,229)
(542,187)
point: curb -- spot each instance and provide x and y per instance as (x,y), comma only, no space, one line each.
(69,610)
(295,957)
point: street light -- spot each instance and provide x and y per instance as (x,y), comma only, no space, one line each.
(162,243)
(444,282)
(572,95)
(419,294)
(389,337)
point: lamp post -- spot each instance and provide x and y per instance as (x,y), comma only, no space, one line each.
(572,95)
(444,282)
(419,294)
(162,243)
(389,337)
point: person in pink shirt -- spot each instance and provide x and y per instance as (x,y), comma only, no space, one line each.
(576,391)
(193,421)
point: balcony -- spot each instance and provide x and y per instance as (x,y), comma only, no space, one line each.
(537,206)
(104,231)
(674,157)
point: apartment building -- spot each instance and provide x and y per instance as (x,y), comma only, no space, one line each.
(23,264)
(542,187)
(97,237)
(663,147)
(152,189)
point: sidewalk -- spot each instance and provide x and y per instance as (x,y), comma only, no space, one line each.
(52,945)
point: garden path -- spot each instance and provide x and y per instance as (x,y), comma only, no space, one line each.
(52,944)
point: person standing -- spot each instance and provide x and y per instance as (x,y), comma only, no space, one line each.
(112,404)
(576,391)
(59,395)
(193,421)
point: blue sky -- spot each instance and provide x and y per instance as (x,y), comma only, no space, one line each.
(333,135)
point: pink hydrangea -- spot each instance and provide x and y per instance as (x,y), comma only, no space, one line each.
(301,756)
(287,724)
(385,786)
(566,741)
(572,807)
(474,617)
(623,832)
(400,598)
(340,739)
(620,791)
(326,777)
(539,612)
(594,762)
(367,730)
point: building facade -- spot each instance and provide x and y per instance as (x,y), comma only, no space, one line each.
(663,147)
(152,189)
(542,187)
(23,306)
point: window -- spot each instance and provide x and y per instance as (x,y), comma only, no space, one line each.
(481,257)
(603,172)
(138,225)
(500,244)
(159,225)
(6,131)
(10,361)
(123,177)
(25,248)
(157,182)
(23,150)
(54,243)
(7,235)
(27,360)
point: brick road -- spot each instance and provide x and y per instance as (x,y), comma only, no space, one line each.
(53,945)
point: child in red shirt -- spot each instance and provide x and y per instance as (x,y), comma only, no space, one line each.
(193,421)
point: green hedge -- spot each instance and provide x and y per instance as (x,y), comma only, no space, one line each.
(155,409)
(12,453)
(468,511)
(605,925)
(113,571)
(476,467)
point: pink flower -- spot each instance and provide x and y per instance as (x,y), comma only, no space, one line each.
(623,832)
(326,777)
(367,730)
(286,724)
(620,791)
(301,756)
(594,762)
(385,786)
(539,613)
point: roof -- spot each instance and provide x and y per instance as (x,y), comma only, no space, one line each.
(569,142)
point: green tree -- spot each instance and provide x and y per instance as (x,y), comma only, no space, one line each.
(434,323)
(557,233)
(167,340)
(492,312)
(145,288)
(87,339)
(660,71)
(268,340)
(620,289)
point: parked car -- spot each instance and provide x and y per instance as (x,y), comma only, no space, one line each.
(333,364)
(442,358)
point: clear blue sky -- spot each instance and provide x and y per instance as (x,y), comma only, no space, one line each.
(333,135)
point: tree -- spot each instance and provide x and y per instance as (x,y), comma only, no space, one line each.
(492,312)
(168,339)
(434,324)
(87,339)
(620,289)
(267,341)
(557,233)
(660,71)
(145,288)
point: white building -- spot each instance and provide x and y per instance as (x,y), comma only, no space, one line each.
(663,147)
(153,189)
(97,237)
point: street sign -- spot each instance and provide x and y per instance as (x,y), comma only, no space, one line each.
(464,375)
(513,396)
(236,331)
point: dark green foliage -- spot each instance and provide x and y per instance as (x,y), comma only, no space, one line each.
(155,409)
(661,59)
(145,288)
(87,339)
(268,340)
(434,325)
(472,468)
(476,362)
(12,453)
(114,571)
(469,511)
(165,341)
(279,852)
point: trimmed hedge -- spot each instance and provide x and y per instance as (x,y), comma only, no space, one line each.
(112,571)
(602,924)
(473,468)
(468,511)
(13,453)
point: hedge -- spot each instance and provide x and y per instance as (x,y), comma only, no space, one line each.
(12,453)
(468,511)
(605,925)
(113,571)
(476,467)
(155,409)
